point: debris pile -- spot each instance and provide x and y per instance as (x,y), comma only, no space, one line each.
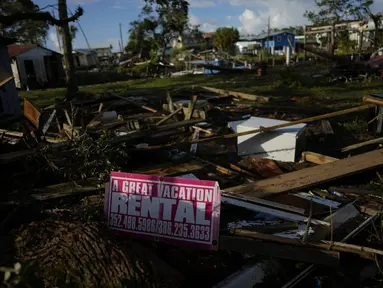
(280,198)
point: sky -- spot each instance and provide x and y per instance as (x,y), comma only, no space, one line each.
(101,18)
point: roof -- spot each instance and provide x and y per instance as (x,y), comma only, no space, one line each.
(84,51)
(262,36)
(208,35)
(15,49)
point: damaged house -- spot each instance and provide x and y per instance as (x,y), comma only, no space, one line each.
(34,66)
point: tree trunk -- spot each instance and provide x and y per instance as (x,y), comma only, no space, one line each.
(68,56)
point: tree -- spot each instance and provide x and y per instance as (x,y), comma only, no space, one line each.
(170,17)
(141,38)
(364,11)
(225,38)
(25,31)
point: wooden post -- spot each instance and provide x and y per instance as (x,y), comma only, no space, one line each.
(304,43)
(70,69)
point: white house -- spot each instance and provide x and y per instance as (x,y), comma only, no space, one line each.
(34,66)
(9,100)
(85,58)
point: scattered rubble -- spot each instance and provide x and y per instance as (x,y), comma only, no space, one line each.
(311,215)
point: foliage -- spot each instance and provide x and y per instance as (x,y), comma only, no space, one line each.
(85,157)
(72,30)
(332,11)
(25,31)
(225,38)
(345,45)
(170,17)
(141,38)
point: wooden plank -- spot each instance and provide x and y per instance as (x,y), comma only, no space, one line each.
(362,144)
(317,158)
(66,189)
(237,94)
(191,107)
(169,116)
(268,203)
(374,100)
(364,252)
(277,213)
(32,113)
(5,77)
(276,250)
(171,169)
(312,176)
(12,133)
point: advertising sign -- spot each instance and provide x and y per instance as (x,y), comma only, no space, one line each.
(175,210)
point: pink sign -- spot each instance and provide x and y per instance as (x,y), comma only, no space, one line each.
(176,210)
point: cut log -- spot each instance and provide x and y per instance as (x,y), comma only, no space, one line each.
(317,158)
(237,94)
(311,176)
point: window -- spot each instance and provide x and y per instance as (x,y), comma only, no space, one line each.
(279,38)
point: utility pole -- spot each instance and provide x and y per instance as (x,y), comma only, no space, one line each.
(268,36)
(122,41)
(70,69)
(57,33)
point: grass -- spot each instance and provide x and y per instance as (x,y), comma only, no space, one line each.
(293,87)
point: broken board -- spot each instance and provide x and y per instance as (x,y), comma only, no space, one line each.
(310,176)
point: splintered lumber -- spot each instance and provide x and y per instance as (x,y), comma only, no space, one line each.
(364,252)
(191,106)
(169,116)
(312,268)
(135,104)
(288,124)
(11,133)
(171,169)
(373,100)
(312,176)
(179,124)
(317,158)
(32,113)
(267,210)
(362,144)
(237,94)
(5,77)
(277,250)
(66,189)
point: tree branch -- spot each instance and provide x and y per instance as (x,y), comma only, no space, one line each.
(8,20)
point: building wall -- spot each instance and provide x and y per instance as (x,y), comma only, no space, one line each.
(37,56)
(10,101)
